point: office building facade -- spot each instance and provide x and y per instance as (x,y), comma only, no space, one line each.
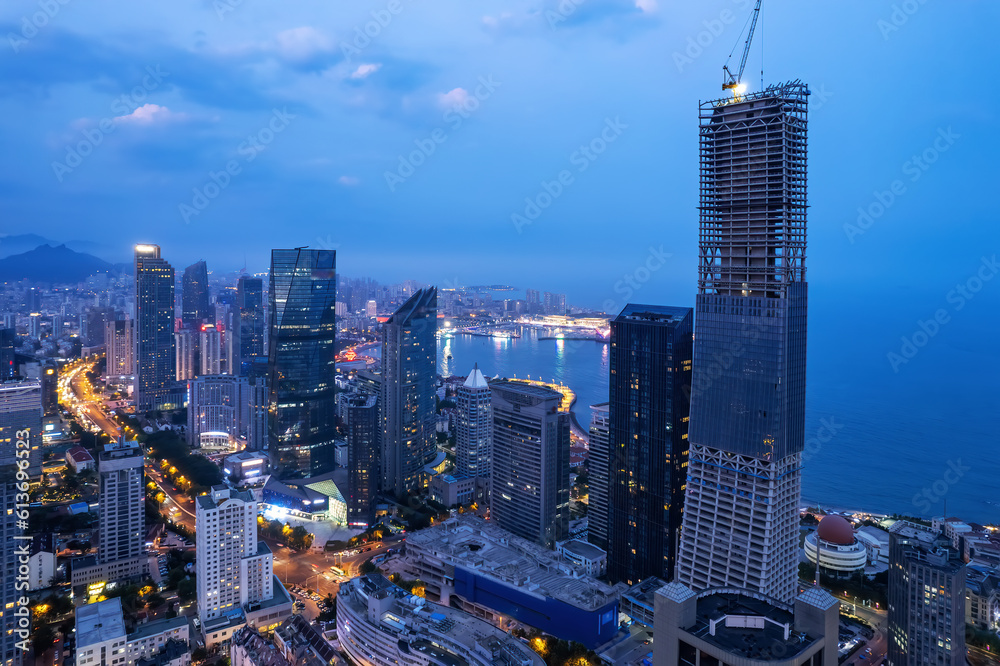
(121,515)
(196,309)
(154,329)
(529,480)
(741,519)
(926,601)
(302,352)
(211,351)
(648,414)
(363,468)
(409,380)
(248,335)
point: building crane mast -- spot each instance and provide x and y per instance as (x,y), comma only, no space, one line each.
(734,82)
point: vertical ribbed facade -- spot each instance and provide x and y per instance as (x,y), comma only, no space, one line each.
(740,524)
(302,355)
(409,384)
(154,328)
(474,428)
(597,471)
(248,335)
(648,430)
(363,440)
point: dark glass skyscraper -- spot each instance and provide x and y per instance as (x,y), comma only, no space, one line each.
(648,429)
(154,329)
(302,354)
(363,436)
(194,295)
(409,380)
(249,333)
(741,521)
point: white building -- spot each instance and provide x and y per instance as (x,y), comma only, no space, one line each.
(474,431)
(211,351)
(585,555)
(120,345)
(42,561)
(185,344)
(235,581)
(371,309)
(102,638)
(226,412)
(834,547)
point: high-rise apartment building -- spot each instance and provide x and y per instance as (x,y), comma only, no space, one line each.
(555,304)
(926,601)
(474,427)
(598,459)
(121,516)
(211,361)
(302,353)
(185,342)
(371,309)
(648,448)
(248,336)
(195,306)
(409,380)
(741,519)
(529,479)
(227,412)
(8,342)
(119,340)
(234,569)
(363,468)
(154,329)
(11,537)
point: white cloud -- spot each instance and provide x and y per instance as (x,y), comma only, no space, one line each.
(453,98)
(148,114)
(298,44)
(647,6)
(366,69)
(348,181)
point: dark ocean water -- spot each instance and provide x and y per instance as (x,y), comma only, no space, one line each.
(917,439)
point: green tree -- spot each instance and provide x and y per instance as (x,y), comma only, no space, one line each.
(186,589)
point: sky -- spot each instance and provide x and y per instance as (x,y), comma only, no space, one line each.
(538,143)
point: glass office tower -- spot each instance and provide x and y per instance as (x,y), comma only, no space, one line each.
(249,331)
(409,384)
(648,430)
(302,357)
(154,329)
(195,308)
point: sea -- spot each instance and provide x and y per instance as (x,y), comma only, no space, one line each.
(918,438)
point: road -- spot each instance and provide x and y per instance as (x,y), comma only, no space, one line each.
(82,399)
(185,514)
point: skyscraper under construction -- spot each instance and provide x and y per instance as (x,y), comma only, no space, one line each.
(740,525)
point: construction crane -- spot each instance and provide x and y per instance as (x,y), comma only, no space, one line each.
(734,82)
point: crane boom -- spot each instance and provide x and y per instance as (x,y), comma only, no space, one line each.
(732,82)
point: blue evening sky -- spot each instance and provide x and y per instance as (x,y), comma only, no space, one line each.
(118,111)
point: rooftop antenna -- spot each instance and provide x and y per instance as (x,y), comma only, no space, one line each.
(732,81)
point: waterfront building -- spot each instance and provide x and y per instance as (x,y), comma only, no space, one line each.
(648,429)
(154,330)
(598,460)
(474,427)
(738,626)
(380,624)
(302,351)
(834,547)
(926,601)
(475,565)
(529,481)
(407,405)
(747,429)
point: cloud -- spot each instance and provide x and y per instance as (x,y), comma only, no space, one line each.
(647,6)
(365,69)
(453,98)
(349,181)
(300,45)
(149,114)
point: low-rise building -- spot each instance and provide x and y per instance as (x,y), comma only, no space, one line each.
(479,567)
(739,626)
(80,460)
(42,561)
(245,468)
(587,556)
(638,602)
(103,638)
(380,624)
(249,648)
(302,644)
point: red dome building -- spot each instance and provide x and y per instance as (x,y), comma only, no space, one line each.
(834,548)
